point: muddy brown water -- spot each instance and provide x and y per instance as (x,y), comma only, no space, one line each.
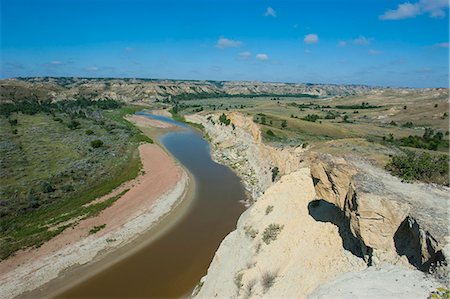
(172,265)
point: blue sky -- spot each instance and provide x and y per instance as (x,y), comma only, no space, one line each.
(374,42)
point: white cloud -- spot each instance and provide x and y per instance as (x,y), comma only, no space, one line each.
(227,43)
(403,11)
(129,49)
(362,41)
(342,43)
(374,52)
(55,62)
(245,55)
(270,12)
(307,51)
(434,8)
(262,57)
(311,38)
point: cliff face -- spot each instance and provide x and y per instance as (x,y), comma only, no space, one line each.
(278,249)
(325,216)
(241,148)
(390,224)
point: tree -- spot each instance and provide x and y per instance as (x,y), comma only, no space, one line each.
(224,120)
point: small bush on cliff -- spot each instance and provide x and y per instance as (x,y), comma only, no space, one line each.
(425,167)
(238,281)
(275,173)
(269,209)
(267,280)
(271,232)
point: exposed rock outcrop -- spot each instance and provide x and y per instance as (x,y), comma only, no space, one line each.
(382,220)
(291,261)
(330,217)
(374,282)
(240,146)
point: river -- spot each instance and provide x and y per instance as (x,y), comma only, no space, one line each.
(173,264)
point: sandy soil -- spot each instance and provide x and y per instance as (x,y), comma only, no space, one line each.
(151,195)
(145,121)
(162,112)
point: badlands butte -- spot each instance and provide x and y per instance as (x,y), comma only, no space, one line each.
(348,185)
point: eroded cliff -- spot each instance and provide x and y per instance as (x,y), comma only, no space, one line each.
(325,217)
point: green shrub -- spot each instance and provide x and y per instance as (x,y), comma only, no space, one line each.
(424,167)
(430,140)
(250,232)
(275,172)
(311,117)
(224,120)
(408,125)
(96,229)
(47,187)
(269,209)
(267,280)
(73,125)
(96,143)
(271,233)
(270,133)
(89,132)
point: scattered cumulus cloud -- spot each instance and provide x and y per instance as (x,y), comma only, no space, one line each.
(245,55)
(311,38)
(374,52)
(362,41)
(434,8)
(223,43)
(307,51)
(270,12)
(342,43)
(262,57)
(129,49)
(56,62)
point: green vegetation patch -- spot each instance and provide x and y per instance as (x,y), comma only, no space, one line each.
(51,172)
(271,232)
(96,229)
(412,166)
(363,105)
(431,140)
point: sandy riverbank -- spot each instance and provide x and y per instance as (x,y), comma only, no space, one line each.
(150,196)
